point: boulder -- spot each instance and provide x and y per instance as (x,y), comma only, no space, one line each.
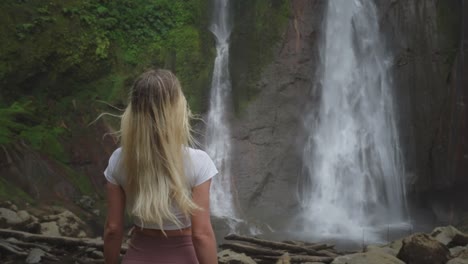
(463,254)
(35,256)
(423,249)
(50,229)
(459,240)
(371,257)
(9,218)
(228,256)
(68,223)
(86,202)
(445,234)
(285,259)
(24,215)
(456,250)
(458,261)
(392,249)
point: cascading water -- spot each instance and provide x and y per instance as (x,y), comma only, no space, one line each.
(218,137)
(354,185)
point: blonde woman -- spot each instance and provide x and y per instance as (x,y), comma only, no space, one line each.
(162,182)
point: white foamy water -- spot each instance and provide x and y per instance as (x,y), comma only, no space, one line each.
(354,187)
(218,136)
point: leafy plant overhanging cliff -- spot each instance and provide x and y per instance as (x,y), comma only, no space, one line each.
(60,60)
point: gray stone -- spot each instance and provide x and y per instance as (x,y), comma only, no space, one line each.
(284,259)
(423,249)
(24,215)
(68,223)
(445,234)
(463,254)
(35,256)
(230,257)
(86,202)
(371,257)
(10,217)
(50,229)
(14,207)
(455,251)
(391,249)
(458,261)
(96,254)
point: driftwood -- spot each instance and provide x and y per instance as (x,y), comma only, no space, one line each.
(299,258)
(12,248)
(267,251)
(20,243)
(284,246)
(55,240)
(251,249)
(316,246)
(14,241)
(327,253)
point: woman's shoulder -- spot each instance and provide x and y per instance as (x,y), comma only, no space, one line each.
(196,153)
(117,152)
(115,156)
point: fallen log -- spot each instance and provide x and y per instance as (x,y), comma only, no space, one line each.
(316,246)
(55,240)
(280,245)
(299,258)
(12,248)
(328,253)
(321,247)
(251,250)
(15,241)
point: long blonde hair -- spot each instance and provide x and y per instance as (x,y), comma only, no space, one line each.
(155,129)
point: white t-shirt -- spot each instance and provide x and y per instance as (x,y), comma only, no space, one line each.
(198,169)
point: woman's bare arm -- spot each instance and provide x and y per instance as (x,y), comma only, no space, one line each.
(113,230)
(203,236)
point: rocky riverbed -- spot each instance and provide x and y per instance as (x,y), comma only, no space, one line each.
(57,235)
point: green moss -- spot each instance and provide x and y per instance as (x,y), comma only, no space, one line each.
(10,126)
(259,25)
(183,53)
(13,193)
(46,139)
(82,182)
(60,59)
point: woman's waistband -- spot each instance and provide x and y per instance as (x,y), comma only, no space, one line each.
(160,233)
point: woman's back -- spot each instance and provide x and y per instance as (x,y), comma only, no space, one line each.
(198,168)
(163,184)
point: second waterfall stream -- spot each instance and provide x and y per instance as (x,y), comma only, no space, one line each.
(218,136)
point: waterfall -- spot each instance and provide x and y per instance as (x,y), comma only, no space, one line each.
(218,137)
(354,176)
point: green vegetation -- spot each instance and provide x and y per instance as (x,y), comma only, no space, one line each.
(59,60)
(12,193)
(258,28)
(64,54)
(81,182)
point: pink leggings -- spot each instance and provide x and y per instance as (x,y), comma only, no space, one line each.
(144,249)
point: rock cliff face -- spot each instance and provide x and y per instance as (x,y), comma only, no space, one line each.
(425,37)
(267,153)
(430,80)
